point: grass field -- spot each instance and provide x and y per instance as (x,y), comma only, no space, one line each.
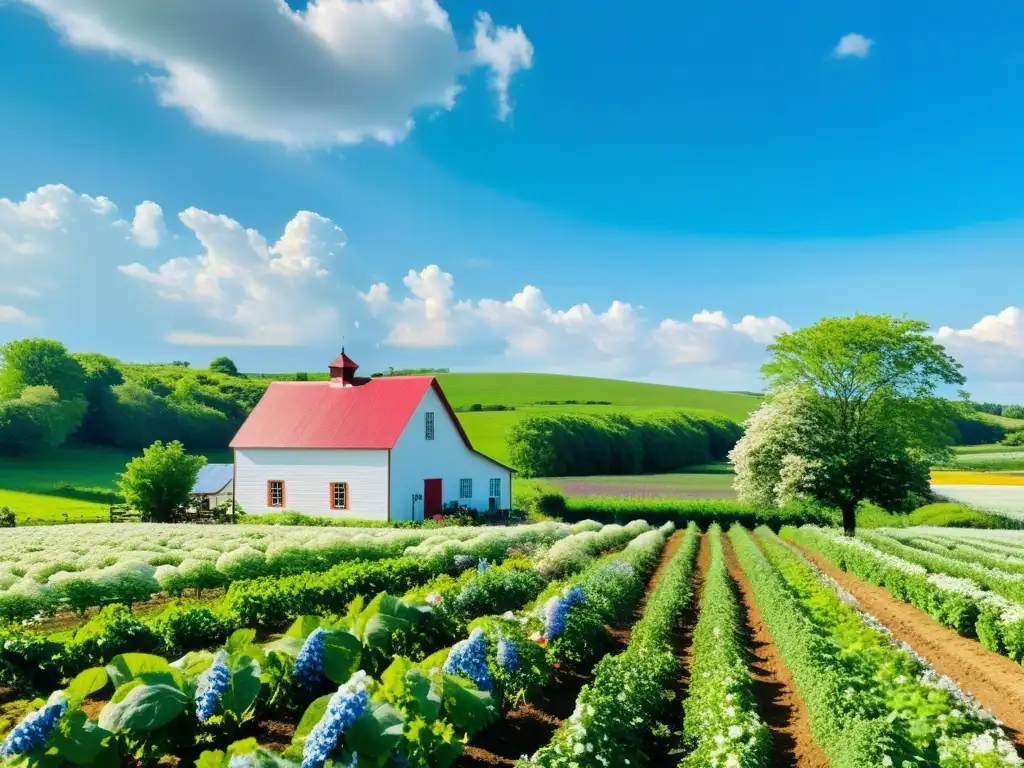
(76,482)
(487,429)
(1010,424)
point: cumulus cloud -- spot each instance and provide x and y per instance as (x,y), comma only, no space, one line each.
(148,224)
(853,46)
(525,328)
(338,72)
(9,314)
(265,295)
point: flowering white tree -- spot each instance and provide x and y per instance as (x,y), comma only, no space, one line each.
(772,460)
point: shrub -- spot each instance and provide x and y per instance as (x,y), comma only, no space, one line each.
(954,516)
(6,517)
(1014,438)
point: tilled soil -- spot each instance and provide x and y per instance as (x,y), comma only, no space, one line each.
(529,726)
(995,681)
(778,701)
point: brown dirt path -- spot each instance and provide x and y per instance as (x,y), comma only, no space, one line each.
(529,726)
(778,701)
(995,681)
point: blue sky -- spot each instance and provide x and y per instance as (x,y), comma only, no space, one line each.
(696,163)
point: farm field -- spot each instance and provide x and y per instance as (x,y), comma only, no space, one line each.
(538,646)
(711,482)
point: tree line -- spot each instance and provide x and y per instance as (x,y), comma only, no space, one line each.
(48,396)
(619,443)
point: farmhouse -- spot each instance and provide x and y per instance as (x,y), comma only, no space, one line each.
(386,448)
(213,486)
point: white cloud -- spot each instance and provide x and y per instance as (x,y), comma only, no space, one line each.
(992,353)
(505,51)
(148,224)
(266,295)
(526,329)
(1002,333)
(9,314)
(853,46)
(339,72)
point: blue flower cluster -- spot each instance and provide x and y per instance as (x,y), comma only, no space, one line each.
(469,658)
(554,617)
(34,730)
(555,609)
(309,664)
(508,656)
(483,565)
(212,683)
(344,708)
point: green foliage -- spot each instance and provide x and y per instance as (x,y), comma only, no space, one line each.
(954,515)
(974,431)
(7,518)
(37,420)
(40,363)
(1013,411)
(160,481)
(563,444)
(224,365)
(702,511)
(1014,438)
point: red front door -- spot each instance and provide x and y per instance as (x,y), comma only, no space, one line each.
(431,497)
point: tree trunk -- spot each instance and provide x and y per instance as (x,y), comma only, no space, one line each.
(849,509)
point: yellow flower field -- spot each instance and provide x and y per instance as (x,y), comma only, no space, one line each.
(975,478)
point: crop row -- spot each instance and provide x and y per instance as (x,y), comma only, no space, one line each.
(721,724)
(96,568)
(882,691)
(420,712)
(614,713)
(965,552)
(955,602)
(30,660)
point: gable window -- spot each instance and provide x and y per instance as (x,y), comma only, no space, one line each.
(275,493)
(339,495)
(430,425)
(496,487)
(465,489)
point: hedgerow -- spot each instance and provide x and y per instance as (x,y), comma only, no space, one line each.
(624,443)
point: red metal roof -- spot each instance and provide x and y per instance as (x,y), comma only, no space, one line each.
(314,414)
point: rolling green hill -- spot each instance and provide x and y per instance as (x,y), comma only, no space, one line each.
(525,392)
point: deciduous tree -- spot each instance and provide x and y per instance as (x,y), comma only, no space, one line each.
(865,411)
(160,481)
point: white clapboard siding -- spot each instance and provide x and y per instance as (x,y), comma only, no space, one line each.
(415,459)
(308,474)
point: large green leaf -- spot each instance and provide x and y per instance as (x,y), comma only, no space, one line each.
(376,732)
(144,709)
(435,660)
(194,663)
(85,684)
(342,655)
(243,688)
(145,666)
(287,644)
(310,718)
(424,694)
(302,626)
(212,759)
(79,739)
(468,708)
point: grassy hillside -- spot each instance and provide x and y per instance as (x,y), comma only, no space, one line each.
(1003,421)
(487,429)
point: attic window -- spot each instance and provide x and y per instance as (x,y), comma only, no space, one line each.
(430,425)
